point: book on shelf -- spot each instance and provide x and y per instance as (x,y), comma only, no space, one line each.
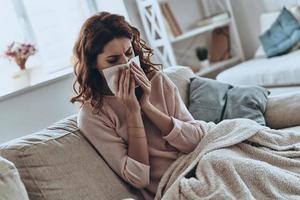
(170,18)
(210,20)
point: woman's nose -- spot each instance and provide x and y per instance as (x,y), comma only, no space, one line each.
(124,59)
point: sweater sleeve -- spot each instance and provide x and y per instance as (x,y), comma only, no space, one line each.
(101,133)
(186,132)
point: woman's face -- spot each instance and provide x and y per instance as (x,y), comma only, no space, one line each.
(117,51)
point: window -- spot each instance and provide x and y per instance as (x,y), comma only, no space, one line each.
(52,26)
(55,25)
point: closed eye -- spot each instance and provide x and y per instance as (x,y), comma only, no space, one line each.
(112,61)
(115,59)
(129,53)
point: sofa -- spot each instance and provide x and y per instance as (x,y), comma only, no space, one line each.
(59,163)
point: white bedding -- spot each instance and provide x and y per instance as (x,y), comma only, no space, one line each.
(277,71)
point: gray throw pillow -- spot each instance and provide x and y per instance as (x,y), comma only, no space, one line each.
(211,100)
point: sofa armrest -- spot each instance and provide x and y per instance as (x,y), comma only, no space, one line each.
(283,111)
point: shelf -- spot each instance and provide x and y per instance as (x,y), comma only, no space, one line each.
(218,66)
(200,30)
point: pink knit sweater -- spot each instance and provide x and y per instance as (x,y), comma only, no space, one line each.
(107,131)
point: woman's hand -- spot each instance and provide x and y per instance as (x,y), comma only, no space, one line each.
(142,80)
(125,90)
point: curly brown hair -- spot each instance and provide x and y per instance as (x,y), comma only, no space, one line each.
(95,33)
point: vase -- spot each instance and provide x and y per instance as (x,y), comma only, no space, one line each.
(204,64)
(21,62)
(21,79)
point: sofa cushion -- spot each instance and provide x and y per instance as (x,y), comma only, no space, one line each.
(211,100)
(207,99)
(59,163)
(283,35)
(278,71)
(180,76)
(11,185)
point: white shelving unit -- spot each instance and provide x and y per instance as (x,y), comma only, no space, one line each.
(163,44)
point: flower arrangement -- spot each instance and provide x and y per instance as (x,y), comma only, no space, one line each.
(19,52)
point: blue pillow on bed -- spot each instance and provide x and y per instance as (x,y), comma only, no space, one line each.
(283,35)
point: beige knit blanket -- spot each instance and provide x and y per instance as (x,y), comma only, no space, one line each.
(236,159)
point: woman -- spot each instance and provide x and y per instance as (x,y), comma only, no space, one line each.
(139,131)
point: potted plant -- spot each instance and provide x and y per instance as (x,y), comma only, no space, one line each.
(19,53)
(202,55)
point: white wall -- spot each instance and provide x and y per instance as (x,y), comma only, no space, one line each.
(35,110)
(113,6)
(247,14)
(273,5)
